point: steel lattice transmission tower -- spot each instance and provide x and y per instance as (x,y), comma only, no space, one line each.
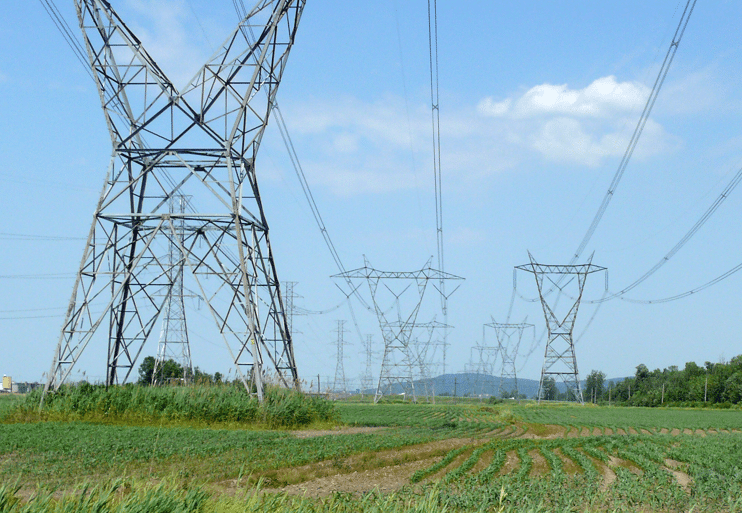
(200,141)
(367,376)
(560,361)
(174,344)
(484,366)
(398,324)
(507,347)
(340,384)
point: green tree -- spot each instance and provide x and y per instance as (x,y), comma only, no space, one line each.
(594,386)
(550,390)
(733,388)
(170,369)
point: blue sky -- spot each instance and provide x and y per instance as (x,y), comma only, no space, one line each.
(537,104)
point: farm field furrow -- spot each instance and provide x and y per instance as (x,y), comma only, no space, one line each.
(457,457)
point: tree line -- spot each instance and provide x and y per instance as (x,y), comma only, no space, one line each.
(717,384)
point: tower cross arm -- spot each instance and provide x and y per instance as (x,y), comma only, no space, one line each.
(370,273)
(560,269)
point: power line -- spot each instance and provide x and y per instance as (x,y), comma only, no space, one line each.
(682,242)
(669,56)
(29,236)
(36,276)
(72,41)
(689,292)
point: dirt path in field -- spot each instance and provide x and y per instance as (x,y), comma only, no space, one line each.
(309,433)
(683,479)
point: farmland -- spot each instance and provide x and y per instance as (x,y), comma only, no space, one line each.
(388,457)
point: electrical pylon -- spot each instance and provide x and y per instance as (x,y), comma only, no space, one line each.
(485,366)
(367,376)
(340,384)
(559,357)
(174,344)
(201,141)
(508,350)
(397,329)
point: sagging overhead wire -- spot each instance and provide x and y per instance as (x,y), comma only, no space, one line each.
(242,13)
(682,242)
(618,175)
(669,56)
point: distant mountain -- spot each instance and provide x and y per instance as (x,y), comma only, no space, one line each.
(469,384)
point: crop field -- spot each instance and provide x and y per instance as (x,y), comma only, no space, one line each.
(385,457)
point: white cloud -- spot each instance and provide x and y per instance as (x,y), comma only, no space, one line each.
(578,126)
(602,98)
(355,147)
(490,107)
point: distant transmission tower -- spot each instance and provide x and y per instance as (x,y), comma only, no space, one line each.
(485,367)
(340,384)
(288,302)
(201,141)
(508,350)
(398,325)
(174,344)
(560,361)
(367,378)
(423,354)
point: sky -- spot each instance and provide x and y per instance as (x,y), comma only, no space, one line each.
(537,104)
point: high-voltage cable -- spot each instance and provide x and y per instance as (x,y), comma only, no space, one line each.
(669,56)
(69,36)
(682,242)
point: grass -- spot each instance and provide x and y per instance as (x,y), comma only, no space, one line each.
(206,404)
(8,403)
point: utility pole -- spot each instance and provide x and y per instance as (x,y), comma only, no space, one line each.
(201,141)
(559,357)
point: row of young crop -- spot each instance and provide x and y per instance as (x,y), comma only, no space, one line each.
(619,469)
(462,419)
(651,419)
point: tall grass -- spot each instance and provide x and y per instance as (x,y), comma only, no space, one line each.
(200,403)
(122,497)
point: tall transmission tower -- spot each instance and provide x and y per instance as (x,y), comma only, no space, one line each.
(560,361)
(398,322)
(340,385)
(509,337)
(201,141)
(174,344)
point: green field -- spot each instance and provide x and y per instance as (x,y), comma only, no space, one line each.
(386,457)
